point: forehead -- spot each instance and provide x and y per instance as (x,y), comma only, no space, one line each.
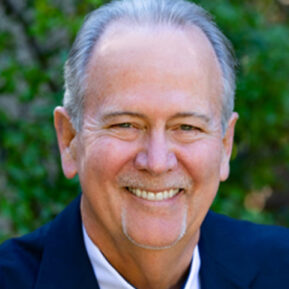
(152,59)
(165,42)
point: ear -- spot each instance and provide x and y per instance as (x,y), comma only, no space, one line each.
(228,141)
(66,137)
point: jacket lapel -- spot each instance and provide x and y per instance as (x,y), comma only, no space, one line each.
(225,256)
(65,263)
(225,264)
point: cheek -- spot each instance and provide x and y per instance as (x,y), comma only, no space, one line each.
(100,164)
(202,160)
(105,156)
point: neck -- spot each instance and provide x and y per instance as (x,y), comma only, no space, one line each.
(145,268)
(151,269)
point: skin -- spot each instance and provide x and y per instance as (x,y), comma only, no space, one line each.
(152,120)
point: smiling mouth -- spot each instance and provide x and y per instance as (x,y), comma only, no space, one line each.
(154,196)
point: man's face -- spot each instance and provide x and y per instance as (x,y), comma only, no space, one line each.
(151,153)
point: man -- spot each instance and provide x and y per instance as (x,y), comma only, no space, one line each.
(148,126)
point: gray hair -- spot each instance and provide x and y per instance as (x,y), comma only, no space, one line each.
(178,13)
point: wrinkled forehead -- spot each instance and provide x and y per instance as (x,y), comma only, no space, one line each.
(154,55)
(124,35)
(150,44)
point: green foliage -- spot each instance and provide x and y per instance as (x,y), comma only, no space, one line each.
(258,30)
(34,43)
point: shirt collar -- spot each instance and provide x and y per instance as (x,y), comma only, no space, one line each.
(109,278)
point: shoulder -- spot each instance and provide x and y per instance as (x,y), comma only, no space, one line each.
(20,259)
(247,247)
(24,260)
(247,234)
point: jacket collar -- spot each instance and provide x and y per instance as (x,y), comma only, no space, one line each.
(226,261)
(65,263)
(225,264)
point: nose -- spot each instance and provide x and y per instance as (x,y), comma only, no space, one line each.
(156,158)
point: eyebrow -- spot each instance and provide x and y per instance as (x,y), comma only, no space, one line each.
(193,114)
(110,115)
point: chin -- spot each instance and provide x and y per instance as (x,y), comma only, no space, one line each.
(156,234)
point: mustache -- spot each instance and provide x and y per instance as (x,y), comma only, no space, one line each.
(154,183)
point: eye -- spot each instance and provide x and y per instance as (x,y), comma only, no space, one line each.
(188,127)
(122,125)
(126,131)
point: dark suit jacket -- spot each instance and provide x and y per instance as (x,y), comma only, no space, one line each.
(234,254)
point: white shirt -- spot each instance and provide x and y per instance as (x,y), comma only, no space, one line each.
(109,278)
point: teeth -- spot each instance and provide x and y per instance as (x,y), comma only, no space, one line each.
(151,196)
(165,194)
(159,196)
(138,192)
(154,196)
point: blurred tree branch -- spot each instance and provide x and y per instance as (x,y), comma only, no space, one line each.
(38,53)
(284,7)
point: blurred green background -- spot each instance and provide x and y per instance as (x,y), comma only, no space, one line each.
(35,37)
